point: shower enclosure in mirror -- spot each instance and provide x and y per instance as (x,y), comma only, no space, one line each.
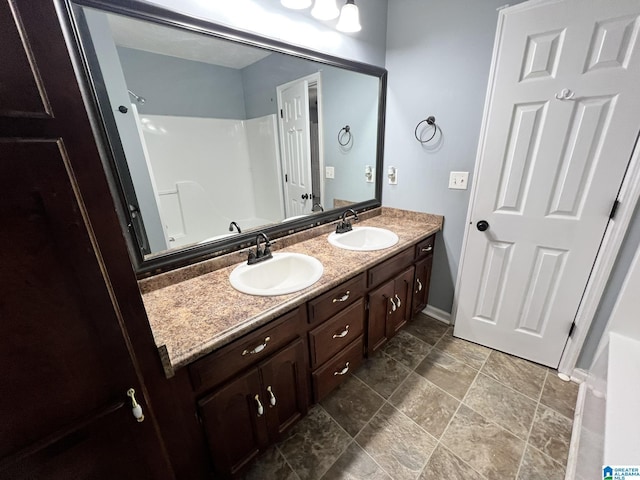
(213,134)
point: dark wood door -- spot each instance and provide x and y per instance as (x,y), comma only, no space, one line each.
(421,284)
(285,388)
(234,419)
(402,296)
(66,356)
(380,307)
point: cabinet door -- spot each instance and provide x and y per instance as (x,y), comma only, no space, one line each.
(421,284)
(402,296)
(380,307)
(285,388)
(234,420)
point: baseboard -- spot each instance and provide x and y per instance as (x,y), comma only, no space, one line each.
(438,314)
(574,446)
(579,375)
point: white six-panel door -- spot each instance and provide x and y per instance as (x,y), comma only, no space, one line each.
(562,118)
(296,147)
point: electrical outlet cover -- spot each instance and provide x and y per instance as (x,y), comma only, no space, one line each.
(329,172)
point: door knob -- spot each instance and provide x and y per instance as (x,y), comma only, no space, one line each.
(482,225)
(305,196)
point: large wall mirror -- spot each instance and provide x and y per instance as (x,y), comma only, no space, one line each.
(214,135)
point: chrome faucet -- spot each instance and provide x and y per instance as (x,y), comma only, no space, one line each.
(344,225)
(260,255)
(317,205)
(234,224)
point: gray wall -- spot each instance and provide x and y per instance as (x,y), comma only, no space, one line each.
(628,249)
(174,86)
(438,57)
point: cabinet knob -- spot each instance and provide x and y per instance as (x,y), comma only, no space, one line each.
(394,307)
(259,405)
(257,349)
(427,249)
(343,333)
(343,371)
(136,409)
(272,397)
(419,285)
(398,300)
(343,298)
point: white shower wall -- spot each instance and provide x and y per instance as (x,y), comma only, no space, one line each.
(210,172)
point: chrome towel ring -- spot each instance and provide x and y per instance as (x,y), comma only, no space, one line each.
(431,120)
(345,132)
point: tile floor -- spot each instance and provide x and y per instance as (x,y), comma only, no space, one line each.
(431,406)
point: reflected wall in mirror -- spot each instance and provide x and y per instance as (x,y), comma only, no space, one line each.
(214,138)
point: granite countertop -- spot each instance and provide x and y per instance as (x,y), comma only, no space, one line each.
(196,316)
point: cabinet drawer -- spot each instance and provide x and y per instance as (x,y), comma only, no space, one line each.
(335,371)
(425,247)
(223,364)
(386,269)
(336,299)
(335,334)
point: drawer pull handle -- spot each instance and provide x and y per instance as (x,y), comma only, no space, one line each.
(419,285)
(260,407)
(343,371)
(272,397)
(135,406)
(343,333)
(258,349)
(427,249)
(398,299)
(394,307)
(343,298)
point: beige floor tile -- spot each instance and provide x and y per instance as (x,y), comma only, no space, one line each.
(551,434)
(448,373)
(470,353)
(270,464)
(382,373)
(537,466)
(352,405)
(355,464)
(314,444)
(445,465)
(521,375)
(426,328)
(486,447)
(501,405)
(407,349)
(559,395)
(423,402)
(396,443)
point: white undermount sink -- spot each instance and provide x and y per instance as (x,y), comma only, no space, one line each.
(364,239)
(284,273)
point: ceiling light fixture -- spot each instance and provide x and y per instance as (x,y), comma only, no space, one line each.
(349,21)
(325,10)
(296,4)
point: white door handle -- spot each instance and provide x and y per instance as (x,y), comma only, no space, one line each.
(260,407)
(272,397)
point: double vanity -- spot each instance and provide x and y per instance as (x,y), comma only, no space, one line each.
(256,361)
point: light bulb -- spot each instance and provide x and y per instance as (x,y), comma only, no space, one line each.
(325,10)
(349,18)
(296,4)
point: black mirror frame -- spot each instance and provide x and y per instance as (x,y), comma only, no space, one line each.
(113,154)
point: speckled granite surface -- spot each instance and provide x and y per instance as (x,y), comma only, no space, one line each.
(201,314)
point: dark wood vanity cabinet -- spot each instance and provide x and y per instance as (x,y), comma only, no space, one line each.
(389,308)
(247,414)
(422,280)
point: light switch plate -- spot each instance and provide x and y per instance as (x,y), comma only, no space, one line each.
(458,180)
(329,172)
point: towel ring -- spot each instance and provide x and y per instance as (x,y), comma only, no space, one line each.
(431,120)
(347,133)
